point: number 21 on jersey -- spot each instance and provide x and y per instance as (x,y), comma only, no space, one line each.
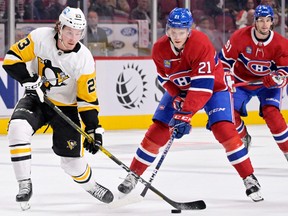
(204,67)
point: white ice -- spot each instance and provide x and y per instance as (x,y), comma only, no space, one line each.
(195,168)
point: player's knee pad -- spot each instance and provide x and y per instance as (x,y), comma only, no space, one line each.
(19,131)
(74,166)
(226,134)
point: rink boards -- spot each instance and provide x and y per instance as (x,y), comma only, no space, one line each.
(128,93)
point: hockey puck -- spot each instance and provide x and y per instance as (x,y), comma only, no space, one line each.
(177,211)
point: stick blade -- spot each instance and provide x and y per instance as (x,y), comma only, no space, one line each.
(194,205)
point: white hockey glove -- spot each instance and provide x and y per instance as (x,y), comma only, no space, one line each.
(36,88)
(97,136)
(230,80)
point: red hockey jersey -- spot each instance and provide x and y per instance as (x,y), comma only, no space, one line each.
(196,69)
(251,59)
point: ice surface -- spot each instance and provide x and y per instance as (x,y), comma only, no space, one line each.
(195,168)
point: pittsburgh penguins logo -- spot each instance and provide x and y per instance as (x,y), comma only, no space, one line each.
(54,75)
(71,144)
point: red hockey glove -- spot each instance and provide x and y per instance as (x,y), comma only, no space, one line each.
(272,81)
(181,123)
(179,101)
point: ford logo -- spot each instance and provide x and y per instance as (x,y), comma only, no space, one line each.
(116,44)
(108,31)
(128,31)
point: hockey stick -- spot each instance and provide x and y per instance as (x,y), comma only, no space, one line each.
(193,205)
(256,82)
(155,171)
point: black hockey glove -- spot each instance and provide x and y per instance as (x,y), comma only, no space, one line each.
(35,86)
(96,134)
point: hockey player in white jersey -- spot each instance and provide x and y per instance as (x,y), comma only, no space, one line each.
(63,69)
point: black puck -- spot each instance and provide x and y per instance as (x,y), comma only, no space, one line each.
(176,211)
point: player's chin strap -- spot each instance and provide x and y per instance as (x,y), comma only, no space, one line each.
(193,205)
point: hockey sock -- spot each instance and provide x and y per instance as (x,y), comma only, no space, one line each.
(277,126)
(19,135)
(84,177)
(149,147)
(237,154)
(240,126)
(79,170)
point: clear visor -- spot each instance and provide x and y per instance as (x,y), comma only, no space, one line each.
(71,33)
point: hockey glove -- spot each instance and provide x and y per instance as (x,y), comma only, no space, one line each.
(230,81)
(272,81)
(97,137)
(179,101)
(181,123)
(35,86)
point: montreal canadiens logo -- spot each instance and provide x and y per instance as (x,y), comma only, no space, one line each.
(181,79)
(259,68)
(130,87)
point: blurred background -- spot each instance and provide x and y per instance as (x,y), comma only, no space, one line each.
(130,27)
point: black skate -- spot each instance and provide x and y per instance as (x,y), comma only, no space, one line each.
(101,193)
(128,184)
(25,193)
(253,188)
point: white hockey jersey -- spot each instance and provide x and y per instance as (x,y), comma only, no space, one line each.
(71,75)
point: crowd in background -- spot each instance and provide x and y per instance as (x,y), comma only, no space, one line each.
(216,18)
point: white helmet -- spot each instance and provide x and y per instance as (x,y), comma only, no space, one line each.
(73,18)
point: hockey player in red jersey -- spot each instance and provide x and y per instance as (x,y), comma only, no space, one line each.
(63,69)
(257,53)
(189,70)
